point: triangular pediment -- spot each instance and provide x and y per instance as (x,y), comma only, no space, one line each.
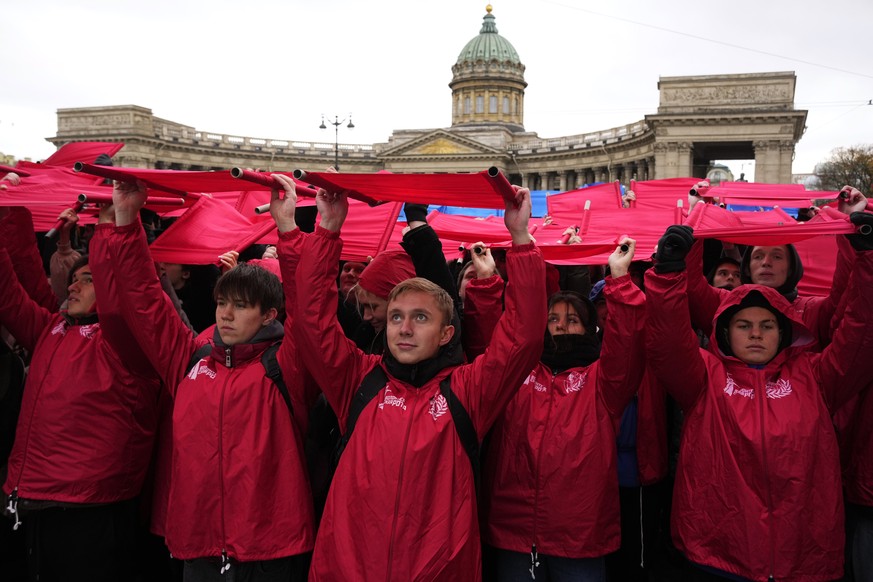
(441,143)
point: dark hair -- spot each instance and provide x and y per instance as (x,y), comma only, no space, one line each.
(584,307)
(752,299)
(252,284)
(719,263)
(80,262)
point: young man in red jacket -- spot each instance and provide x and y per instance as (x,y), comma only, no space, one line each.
(402,505)
(86,428)
(239,497)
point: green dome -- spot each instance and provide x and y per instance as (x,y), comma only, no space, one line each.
(488,46)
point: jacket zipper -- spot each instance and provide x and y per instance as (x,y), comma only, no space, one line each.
(414,395)
(534,556)
(762,393)
(225,561)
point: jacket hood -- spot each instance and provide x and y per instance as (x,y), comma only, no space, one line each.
(795,271)
(796,335)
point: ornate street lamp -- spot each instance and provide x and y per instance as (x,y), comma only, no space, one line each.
(336,124)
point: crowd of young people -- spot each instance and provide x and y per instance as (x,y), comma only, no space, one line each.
(485,422)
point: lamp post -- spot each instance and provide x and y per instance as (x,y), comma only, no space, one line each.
(336,124)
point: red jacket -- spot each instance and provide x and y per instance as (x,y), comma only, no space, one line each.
(557,433)
(402,505)
(16,236)
(238,484)
(757,488)
(88,415)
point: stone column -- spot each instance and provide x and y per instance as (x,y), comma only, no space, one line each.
(662,161)
(686,159)
(562,180)
(767,162)
(525,183)
(786,159)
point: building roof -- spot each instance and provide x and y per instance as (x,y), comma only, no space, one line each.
(488,46)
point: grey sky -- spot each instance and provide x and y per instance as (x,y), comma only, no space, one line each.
(268,68)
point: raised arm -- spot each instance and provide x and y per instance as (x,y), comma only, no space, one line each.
(671,344)
(622,354)
(64,257)
(703,298)
(483,302)
(18,238)
(843,367)
(303,389)
(487,385)
(164,339)
(19,313)
(334,361)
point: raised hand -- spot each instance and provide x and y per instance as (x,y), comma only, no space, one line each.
(283,210)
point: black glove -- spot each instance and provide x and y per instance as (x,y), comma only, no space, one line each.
(863,240)
(673,248)
(415,212)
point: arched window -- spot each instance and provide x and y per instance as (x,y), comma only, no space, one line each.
(467,109)
(480,104)
(506,105)
(492,104)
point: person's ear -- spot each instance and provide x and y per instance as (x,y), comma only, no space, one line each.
(447,334)
(270,315)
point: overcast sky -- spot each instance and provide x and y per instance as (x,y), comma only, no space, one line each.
(270,68)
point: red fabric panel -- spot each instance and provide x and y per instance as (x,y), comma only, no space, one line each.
(818,257)
(659,194)
(572,203)
(465,190)
(710,221)
(209,228)
(85,151)
(6,169)
(367,229)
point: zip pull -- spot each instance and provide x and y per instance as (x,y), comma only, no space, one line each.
(227,360)
(225,563)
(534,562)
(12,508)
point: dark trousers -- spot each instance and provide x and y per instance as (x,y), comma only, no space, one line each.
(517,566)
(87,544)
(290,569)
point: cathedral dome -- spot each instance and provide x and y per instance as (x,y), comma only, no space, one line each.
(488,46)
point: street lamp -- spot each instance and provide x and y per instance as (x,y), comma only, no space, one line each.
(336,124)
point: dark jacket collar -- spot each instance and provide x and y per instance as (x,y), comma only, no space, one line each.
(235,355)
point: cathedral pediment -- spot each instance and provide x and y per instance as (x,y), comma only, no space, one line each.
(441,143)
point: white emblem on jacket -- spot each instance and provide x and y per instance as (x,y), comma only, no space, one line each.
(438,406)
(88,331)
(60,328)
(779,389)
(201,368)
(392,400)
(575,381)
(532,379)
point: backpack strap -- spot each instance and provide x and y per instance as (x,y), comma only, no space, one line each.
(374,381)
(274,373)
(464,427)
(201,353)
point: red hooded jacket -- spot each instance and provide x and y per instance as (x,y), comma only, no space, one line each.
(757,488)
(559,431)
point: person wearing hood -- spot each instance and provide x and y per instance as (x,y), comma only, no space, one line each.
(402,504)
(758,489)
(87,422)
(239,497)
(542,524)
(780,268)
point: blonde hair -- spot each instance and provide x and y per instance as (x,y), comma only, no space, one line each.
(422,285)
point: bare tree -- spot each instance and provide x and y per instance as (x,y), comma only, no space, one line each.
(852,165)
